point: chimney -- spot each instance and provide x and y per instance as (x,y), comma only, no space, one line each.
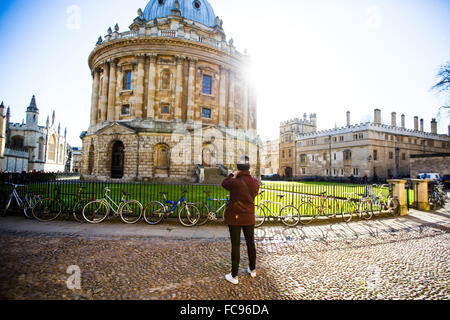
(421,125)
(377,116)
(416,123)
(394,119)
(403,121)
(434,126)
(348,119)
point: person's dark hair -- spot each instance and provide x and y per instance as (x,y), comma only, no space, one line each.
(243,163)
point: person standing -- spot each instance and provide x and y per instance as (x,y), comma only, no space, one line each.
(240,215)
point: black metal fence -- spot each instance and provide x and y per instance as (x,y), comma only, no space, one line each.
(293,193)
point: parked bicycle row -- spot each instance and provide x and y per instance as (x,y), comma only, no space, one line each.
(85,208)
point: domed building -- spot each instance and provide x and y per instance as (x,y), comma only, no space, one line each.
(169,97)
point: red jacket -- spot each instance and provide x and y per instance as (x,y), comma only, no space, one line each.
(241,209)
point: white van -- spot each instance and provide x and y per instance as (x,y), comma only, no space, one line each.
(430,176)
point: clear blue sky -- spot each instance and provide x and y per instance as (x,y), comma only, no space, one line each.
(321,56)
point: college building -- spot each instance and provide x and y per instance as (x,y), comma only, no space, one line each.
(169,96)
(371,149)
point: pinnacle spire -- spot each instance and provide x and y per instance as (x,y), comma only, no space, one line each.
(33,106)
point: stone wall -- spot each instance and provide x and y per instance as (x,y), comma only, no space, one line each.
(430,163)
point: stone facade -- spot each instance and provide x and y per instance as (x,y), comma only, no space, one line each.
(30,147)
(430,163)
(289,130)
(368,150)
(168,95)
(270,159)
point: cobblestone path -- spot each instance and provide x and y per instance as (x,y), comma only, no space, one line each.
(404,258)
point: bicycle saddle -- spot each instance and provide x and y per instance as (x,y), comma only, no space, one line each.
(323,193)
(361,195)
(184,191)
(207,192)
(126,193)
(281,196)
(164,193)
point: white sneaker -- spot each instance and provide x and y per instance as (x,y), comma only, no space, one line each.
(252,273)
(229,278)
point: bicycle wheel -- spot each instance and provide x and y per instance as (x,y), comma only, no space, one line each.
(365,209)
(154,213)
(306,212)
(78,210)
(204,213)
(95,211)
(47,210)
(377,208)
(290,216)
(394,207)
(347,211)
(260,216)
(131,211)
(188,215)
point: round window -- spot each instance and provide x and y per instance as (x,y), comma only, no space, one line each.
(197,4)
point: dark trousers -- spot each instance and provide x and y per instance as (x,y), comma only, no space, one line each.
(235,235)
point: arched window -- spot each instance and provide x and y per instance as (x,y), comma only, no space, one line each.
(41,149)
(17,142)
(166,78)
(162,157)
(52,148)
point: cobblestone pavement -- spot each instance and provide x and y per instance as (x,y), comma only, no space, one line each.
(403,258)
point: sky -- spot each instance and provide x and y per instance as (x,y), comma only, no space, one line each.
(308,56)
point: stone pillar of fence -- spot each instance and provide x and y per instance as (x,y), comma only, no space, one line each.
(420,188)
(398,191)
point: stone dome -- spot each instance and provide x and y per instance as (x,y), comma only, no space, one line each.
(196,10)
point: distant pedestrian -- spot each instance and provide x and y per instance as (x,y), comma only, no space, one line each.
(240,215)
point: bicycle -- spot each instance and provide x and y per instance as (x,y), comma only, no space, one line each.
(97,211)
(363,207)
(50,209)
(381,204)
(288,214)
(188,213)
(26,204)
(437,197)
(309,211)
(207,211)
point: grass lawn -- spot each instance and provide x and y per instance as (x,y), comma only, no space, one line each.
(295,193)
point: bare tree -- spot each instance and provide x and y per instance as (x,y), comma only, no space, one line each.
(444,79)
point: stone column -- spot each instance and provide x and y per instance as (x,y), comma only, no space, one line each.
(421,194)
(222,97)
(191,90)
(104,98)
(245,106)
(231,122)
(151,87)
(399,193)
(112,91)
(140,88)
(95,97)
(179,88)
(119,88)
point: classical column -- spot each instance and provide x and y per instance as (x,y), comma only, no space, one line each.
(245,107)
(151,87)
(140,88)
(104,98)
(119,87)
(231,120)
(191,90)
(222,97)
(95,97)
(112,91)
(179,88)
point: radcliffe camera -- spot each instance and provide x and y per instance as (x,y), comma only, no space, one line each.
(219,158)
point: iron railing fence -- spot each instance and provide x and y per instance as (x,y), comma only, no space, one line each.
(293,193)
